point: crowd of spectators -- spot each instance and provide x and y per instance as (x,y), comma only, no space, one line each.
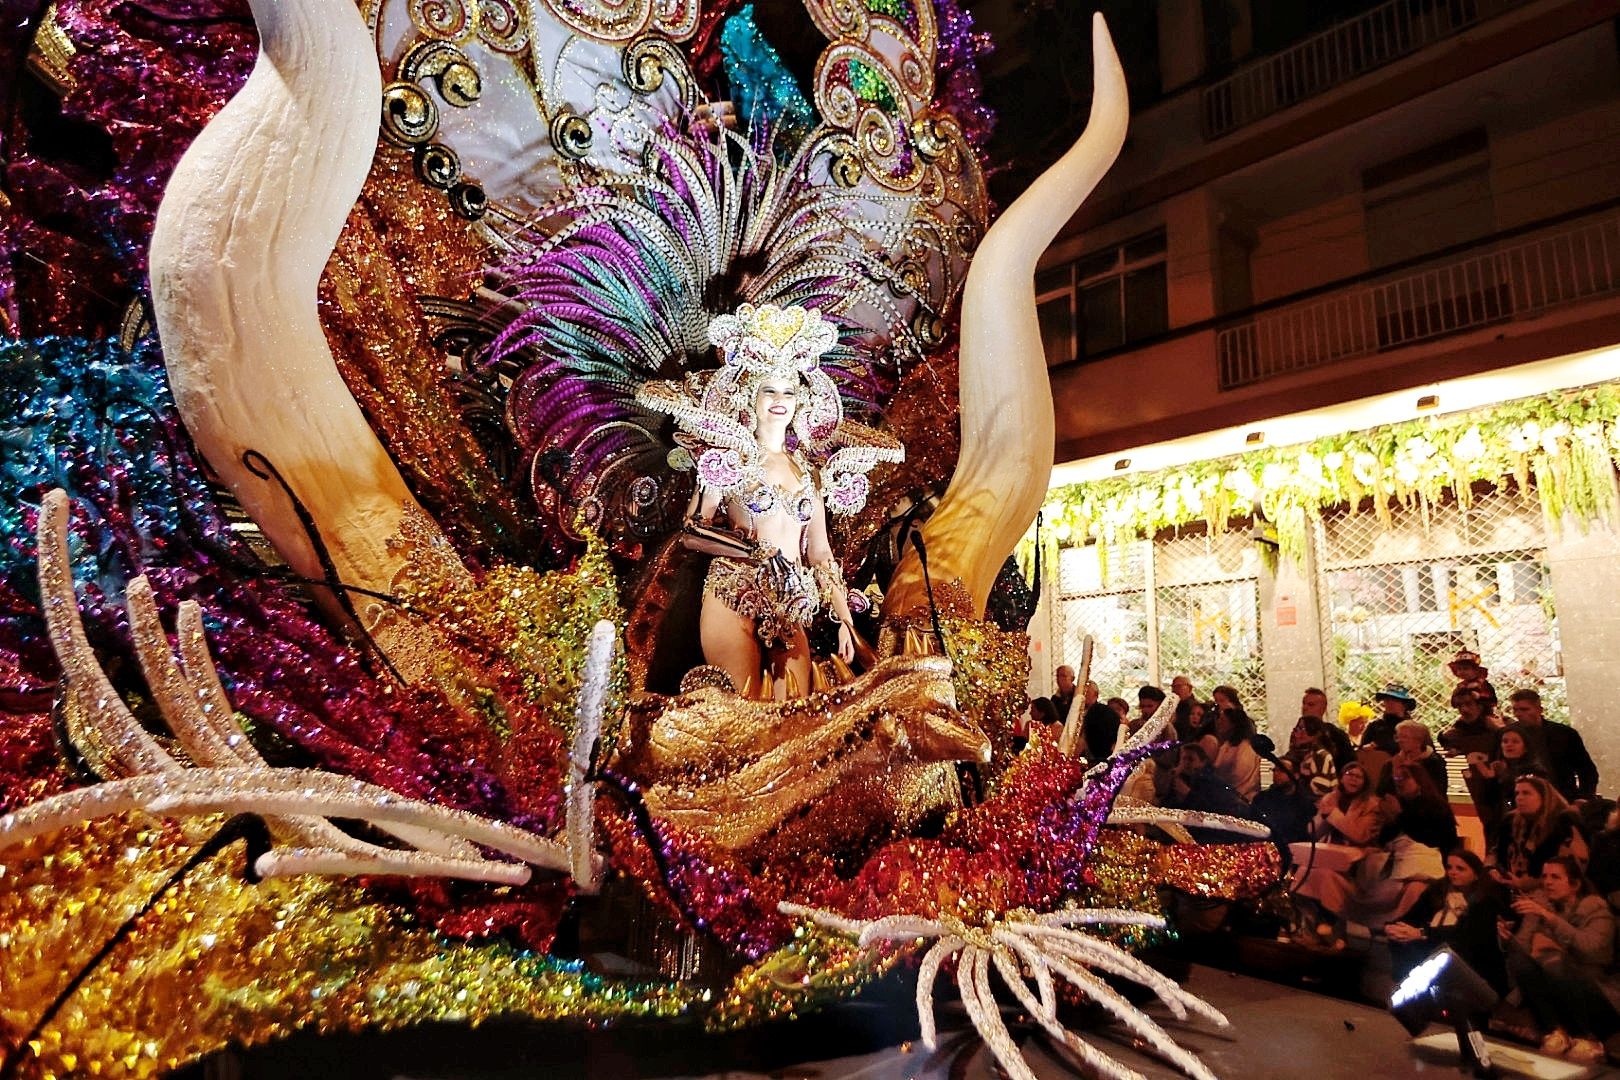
(1374,843)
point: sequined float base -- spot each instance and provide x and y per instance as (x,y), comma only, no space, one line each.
(218,961)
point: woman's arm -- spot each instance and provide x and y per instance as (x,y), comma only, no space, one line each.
(1590,935)
(819,554)
(703,504)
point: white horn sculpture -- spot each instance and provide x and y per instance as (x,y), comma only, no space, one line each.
(245,228)
(1008,435)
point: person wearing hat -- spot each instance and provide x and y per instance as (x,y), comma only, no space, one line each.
(1397,702)
(1471,675)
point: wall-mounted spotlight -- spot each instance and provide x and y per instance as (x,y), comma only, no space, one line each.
(1427,402)
(1122,464)
(1254,438)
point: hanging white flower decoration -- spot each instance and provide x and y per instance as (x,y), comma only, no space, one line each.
(1241,484)
(1551,435)
(1470,446)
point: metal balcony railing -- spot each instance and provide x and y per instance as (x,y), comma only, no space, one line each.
(1335,56)
(1579,261)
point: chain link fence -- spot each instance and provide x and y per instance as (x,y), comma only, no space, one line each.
(1155,610)
(1207,590)
(1398,602)
(1104,594)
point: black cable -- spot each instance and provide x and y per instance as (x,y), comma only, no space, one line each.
(928,586)
(264,469)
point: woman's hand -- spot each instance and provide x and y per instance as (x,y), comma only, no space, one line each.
(846,642)
(1526,906)
(1504,930)
(1402,932)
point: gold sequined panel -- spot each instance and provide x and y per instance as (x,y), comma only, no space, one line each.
(216,960)
(761,777)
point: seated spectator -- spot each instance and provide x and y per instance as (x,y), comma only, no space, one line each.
(1314,702)
(1460,912)
(1182,687)
(1148,700)
(1349,819)
(1037,718)
(1099,732)
(1604,869)
(1419,829)
(1090,695)
(1473,732)
(1351,813)
(1287,807)
(1231,752)
(1559,745)
(1418,811)
(1194,785)
(1397,702)
(1491,777)
(1540,826)
(1310,752)
(1121,706)
(1414,749)
(1189,719)
(1225,697)
(1556,956)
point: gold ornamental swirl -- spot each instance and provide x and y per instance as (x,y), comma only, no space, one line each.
(503,26)
(649,60)
(571,135)
(444,20)
(409,117)
(615,22)
(454,75)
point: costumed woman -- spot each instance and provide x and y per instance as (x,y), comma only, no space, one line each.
(755,431)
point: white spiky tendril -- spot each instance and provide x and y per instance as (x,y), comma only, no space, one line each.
(232,777)
(1024,947)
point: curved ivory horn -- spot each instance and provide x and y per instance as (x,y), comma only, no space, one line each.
(247,222)
(1007,427)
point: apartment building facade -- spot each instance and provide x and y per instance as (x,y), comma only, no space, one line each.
(1410,216)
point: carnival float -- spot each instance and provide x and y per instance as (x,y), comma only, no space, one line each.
(543,454)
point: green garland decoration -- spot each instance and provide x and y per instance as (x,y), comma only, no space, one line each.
(1564,446)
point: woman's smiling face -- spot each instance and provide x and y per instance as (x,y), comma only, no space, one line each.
(775,401)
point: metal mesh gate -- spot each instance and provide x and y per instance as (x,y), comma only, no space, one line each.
(1107,598)
(1397,603)
(1188,606)
(1207,594)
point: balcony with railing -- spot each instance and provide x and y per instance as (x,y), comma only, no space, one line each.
(1494,282)
(1335,56)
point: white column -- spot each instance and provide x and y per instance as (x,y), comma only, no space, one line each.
(1291,640)
(1585,572)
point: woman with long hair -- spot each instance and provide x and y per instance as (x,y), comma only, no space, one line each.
(1352,812)
(1557,957)
(1459,911)
(767,437)
(1349,820)
(1231,751)
(1492,776)
(1310,752)
(1541,826)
